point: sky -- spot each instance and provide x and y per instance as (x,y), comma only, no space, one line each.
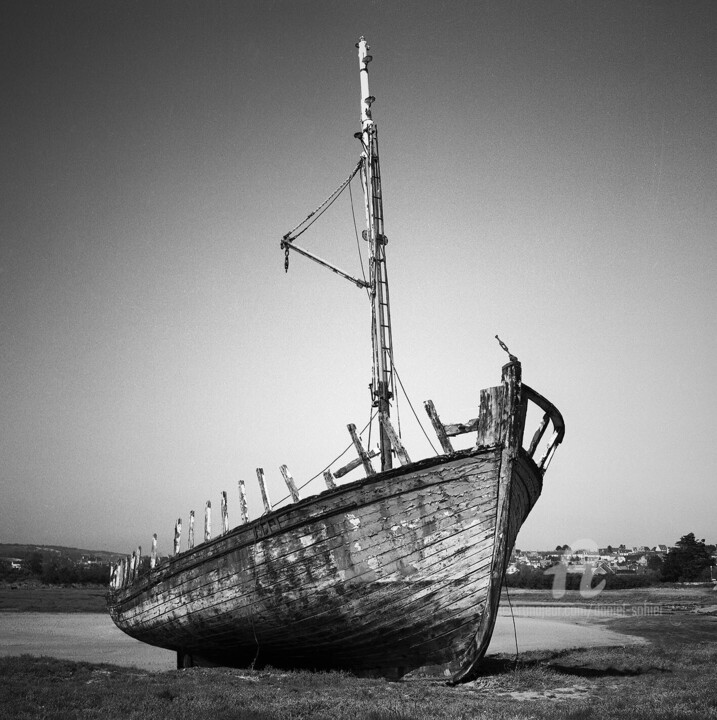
(549,175)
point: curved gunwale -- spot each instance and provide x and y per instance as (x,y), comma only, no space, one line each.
(199,554)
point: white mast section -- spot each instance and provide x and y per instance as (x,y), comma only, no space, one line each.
(382,383)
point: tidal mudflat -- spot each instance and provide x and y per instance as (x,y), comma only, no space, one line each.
(93,637)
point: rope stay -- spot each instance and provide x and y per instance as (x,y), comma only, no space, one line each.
(324,205)
(336,459)
(288,239)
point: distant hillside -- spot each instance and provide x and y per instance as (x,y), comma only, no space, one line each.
(23,552)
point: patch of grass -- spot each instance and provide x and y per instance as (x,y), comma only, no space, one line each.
(52,598)
(639,682)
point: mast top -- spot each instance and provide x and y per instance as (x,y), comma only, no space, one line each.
(366,98)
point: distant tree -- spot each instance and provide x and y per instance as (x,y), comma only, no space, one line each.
(687,561)
(610,550)
(655,563)
(36,563)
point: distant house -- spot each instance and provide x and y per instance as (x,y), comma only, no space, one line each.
(12,563)
(579,569)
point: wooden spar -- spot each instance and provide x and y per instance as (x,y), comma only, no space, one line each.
(353,464)
(139,560)
(207,520)
(438,426)
(395,440)
(288,244)
(460,428)
(329,479)
(539,434)
(289,480)
(225,513)
(262,487)
(363,455)
(190,533)
(242,501)
(153,554)
(381,337)
(177,535)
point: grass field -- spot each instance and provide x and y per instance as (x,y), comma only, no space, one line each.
(33,597)
(640,683)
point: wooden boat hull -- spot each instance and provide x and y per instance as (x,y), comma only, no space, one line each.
(387,574)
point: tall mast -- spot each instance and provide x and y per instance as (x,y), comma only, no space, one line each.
(382,382)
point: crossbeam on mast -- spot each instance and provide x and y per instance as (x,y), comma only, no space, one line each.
(288,245)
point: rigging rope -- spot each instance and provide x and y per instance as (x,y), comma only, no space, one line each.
(358,243)
(288,237)
(515,632)
(338,457)
(410,404)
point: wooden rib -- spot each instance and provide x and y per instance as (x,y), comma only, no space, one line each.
(262,487)
(177,535)
(225,513)
(242,502)
(353,464)
(190,533)
(394,438)
(208,521)
(329,479)
(438,426)
(365,459)
(289,480)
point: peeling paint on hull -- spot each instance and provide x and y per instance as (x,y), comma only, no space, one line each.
(379,577)
(397,571)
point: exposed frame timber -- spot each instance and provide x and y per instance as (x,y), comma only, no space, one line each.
(207,520)
(289,480)
(190,534)
(353,464)
(262,487)
(394,438)
(329,479)
(438,426)
(177,535)
(153,554)
(461,428)
(225,513)
(555,417)
(365,458)
(243,508)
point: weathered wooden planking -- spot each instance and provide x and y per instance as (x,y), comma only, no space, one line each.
(391,514)
(454,569)
(399,487)
(394,571)
(185,590)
